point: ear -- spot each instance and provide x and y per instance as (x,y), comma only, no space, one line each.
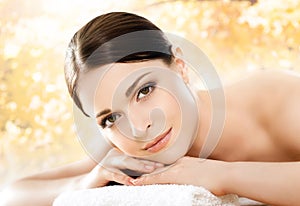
(180,65)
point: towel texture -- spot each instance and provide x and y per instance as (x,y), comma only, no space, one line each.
(150,195)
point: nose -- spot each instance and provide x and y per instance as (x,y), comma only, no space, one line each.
(138,133)
(140,123)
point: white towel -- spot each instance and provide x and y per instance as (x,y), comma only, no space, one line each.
(154,195)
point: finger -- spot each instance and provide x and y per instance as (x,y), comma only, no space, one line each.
(150,179)
(117,160)
(123,162)
(118,176)
(154,164)
(138,165)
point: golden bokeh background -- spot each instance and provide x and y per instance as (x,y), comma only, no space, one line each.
(36,123)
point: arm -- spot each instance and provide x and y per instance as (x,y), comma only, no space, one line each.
(43,188)
(271,183)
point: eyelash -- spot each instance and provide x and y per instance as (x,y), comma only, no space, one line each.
(103,121)
(148,85)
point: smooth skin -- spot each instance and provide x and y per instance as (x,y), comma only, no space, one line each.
(260,144)
(264,110)
(258,155)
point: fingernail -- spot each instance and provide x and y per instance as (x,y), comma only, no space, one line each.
(157,164)
(134,181)
(149,167)
(130,182)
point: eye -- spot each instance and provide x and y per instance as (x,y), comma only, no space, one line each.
(145,91)
(109,120)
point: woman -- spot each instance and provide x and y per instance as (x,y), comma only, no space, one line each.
(112,80)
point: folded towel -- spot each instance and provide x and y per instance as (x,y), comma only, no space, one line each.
(154,195)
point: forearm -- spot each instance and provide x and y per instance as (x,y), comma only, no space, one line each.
(37,192)
(271,183)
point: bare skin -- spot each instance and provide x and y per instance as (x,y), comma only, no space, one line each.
(262,111)
(259,148)
(262,137)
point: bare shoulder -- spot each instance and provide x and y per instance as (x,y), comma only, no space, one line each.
(270,78)
(269,85)
(271,100)
(277,88)
(73,169)
(276,78)
(268,88)
(280,97)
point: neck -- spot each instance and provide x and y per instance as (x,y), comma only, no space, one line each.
(205,115)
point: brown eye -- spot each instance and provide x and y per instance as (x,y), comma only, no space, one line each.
(145,91)
(110,120)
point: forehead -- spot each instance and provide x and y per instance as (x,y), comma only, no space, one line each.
(119,71)
(98,86)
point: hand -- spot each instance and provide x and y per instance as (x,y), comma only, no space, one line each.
(110,168)
(190,170)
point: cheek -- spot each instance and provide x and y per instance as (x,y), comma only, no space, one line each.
(171,107)
(120,141)
(115,137)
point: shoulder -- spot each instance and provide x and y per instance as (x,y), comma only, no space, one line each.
(282,91)
(271,78)
(277,78)
(272,96)
(274,91)
(269,84)
(272,99)
(279,88)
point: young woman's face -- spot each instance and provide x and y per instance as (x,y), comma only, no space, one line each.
(138,109)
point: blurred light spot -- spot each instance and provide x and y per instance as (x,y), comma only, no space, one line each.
(23,140)
(49,107)
(50,88)
(204,34)
(3,87)
(35,52)
(23,83)
(285,63)
(251,67)
(11,106)
(14,65)
(38,133)
(35,102)
(58,130)
(43,140)
(274,53)
(37,119)
(37,76)
(11,51)
(12,130)
(28,131)
(180,21)
(277,28)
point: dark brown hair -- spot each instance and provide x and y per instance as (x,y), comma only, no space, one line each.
(109,38)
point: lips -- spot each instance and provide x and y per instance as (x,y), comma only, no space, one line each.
(159,142)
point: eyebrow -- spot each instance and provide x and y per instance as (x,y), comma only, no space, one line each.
(132,87)
(127,93)
(103,112)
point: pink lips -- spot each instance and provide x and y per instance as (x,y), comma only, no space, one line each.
(159,142)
